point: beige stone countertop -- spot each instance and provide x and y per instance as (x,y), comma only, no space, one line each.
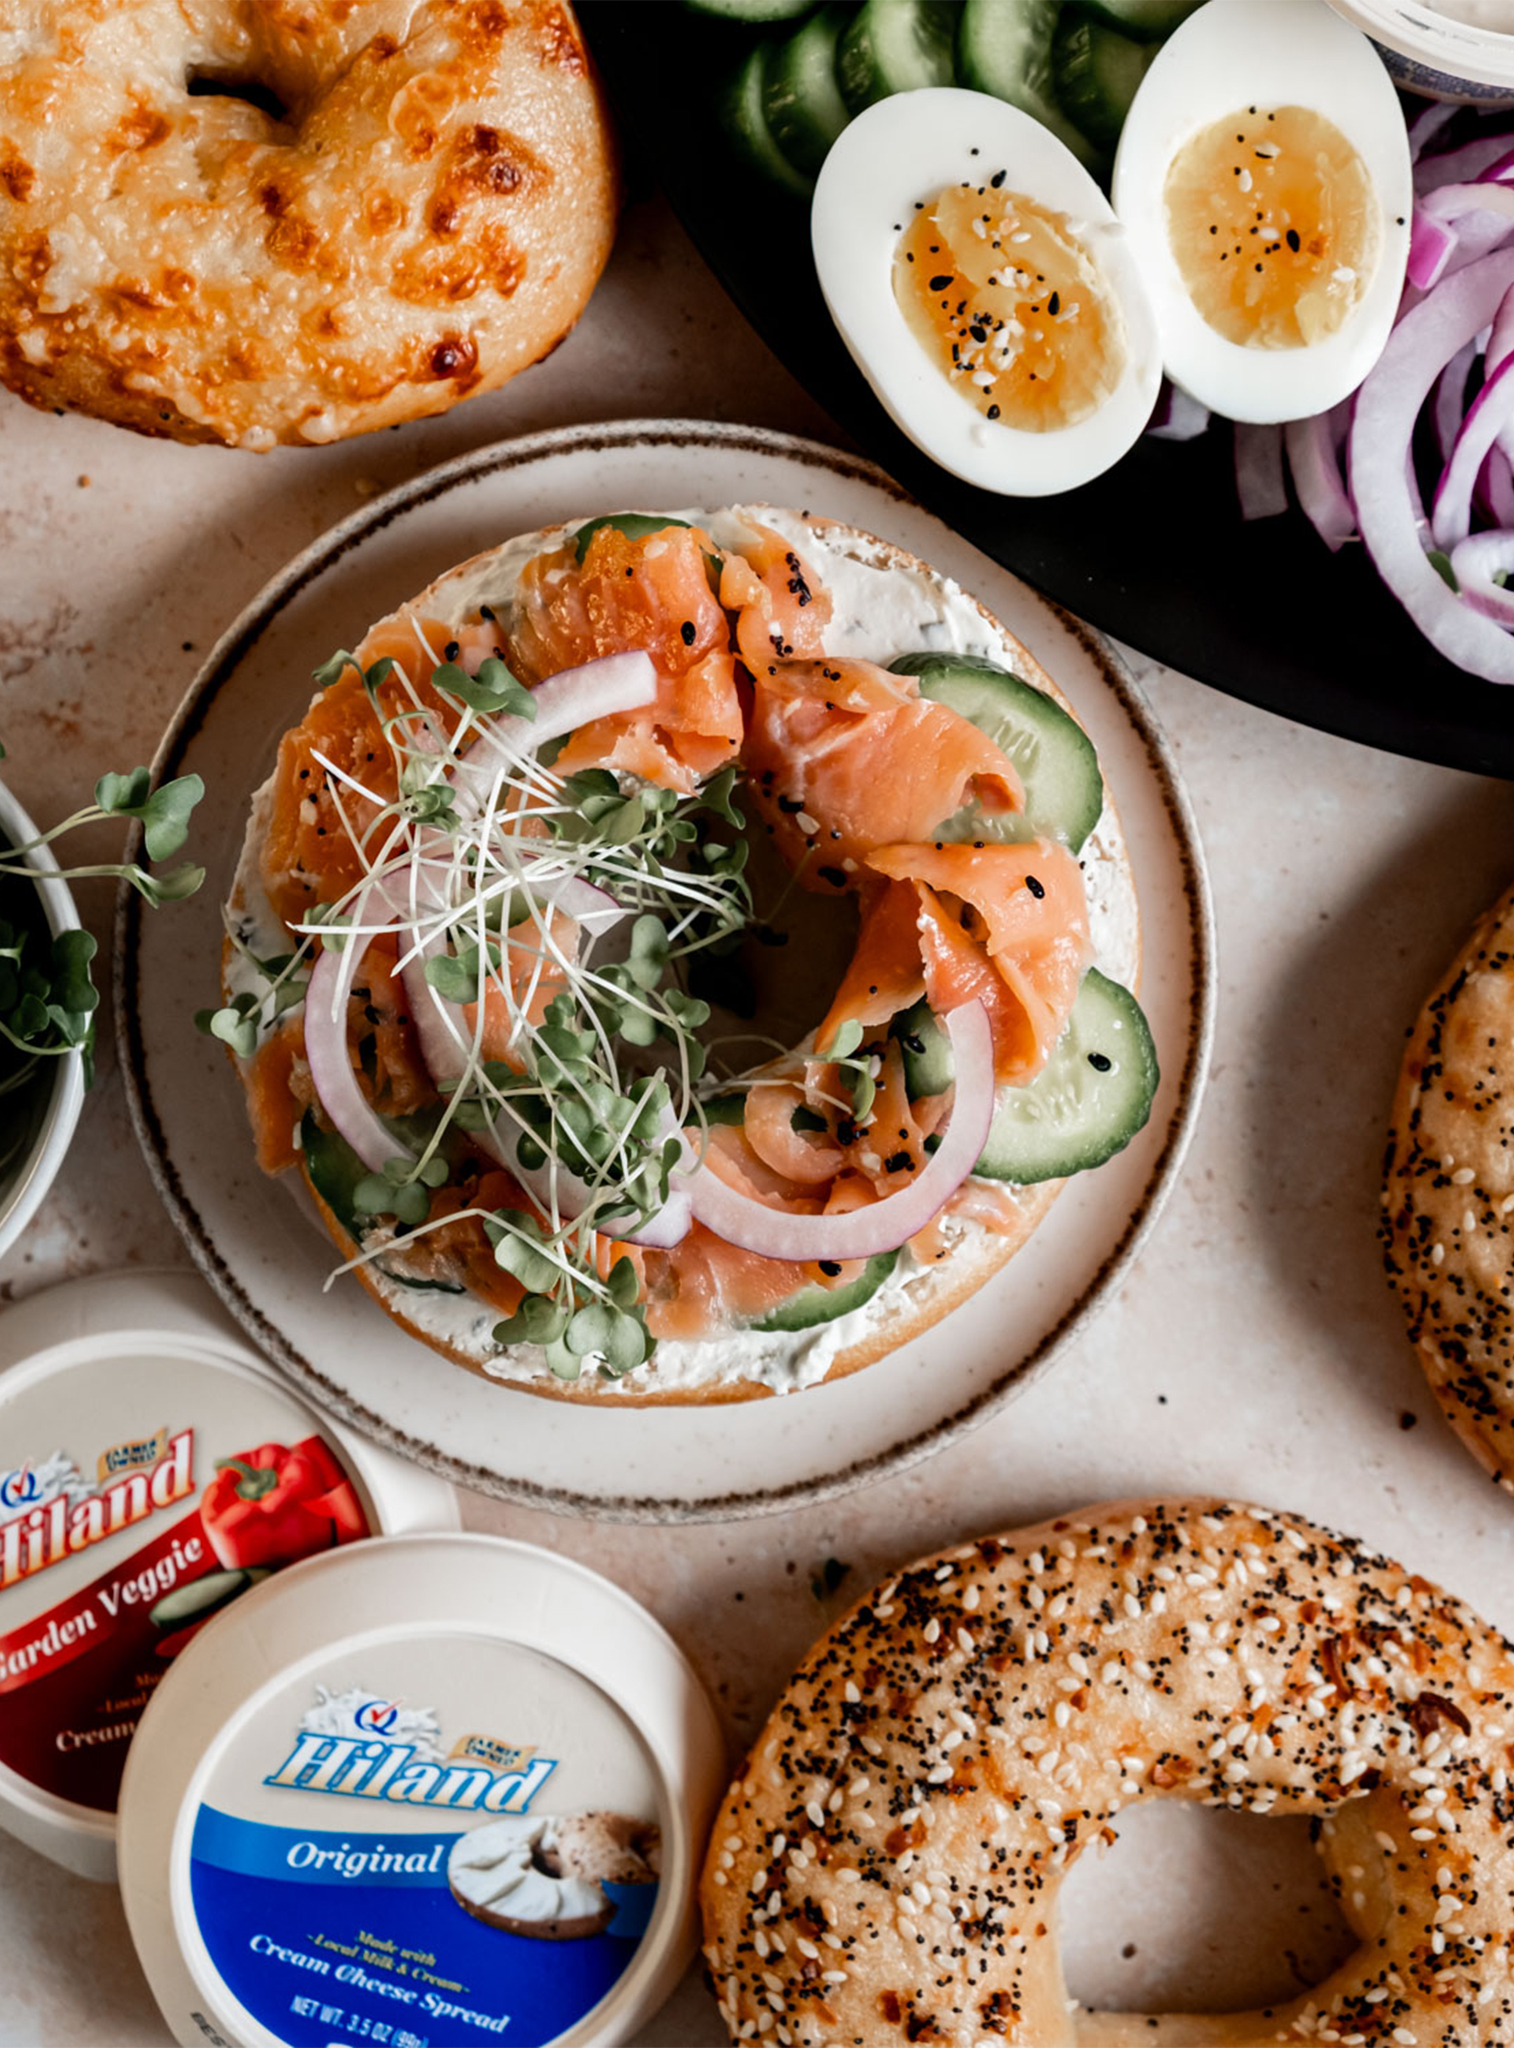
(1253,1350)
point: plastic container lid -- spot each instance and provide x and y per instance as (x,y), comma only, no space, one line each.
(427,1791)
(152,1471)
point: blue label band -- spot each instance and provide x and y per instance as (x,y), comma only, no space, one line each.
(325,1936)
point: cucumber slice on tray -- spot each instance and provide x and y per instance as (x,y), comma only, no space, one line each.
(753,11)
(802,101)
(746,118)
(1097,71)
(895,46)
(1148,20)
(1004,48)
(1087,1103)
(1064,790)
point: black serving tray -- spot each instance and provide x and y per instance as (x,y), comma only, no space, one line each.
(1154,551)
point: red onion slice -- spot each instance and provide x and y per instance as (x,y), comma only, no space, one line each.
(883,1226)
(1495,488)
(1382,431)
(1177,417)
(1474,563)
(1432,243)
(1485,195)
(1259,480)
(564,702)
(1482,157)
(331,1074)
(1488,415)
(1427,124)
(1315,466)
(1449,404)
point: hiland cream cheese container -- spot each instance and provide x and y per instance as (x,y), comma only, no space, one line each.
(430,1791)
(152,1472)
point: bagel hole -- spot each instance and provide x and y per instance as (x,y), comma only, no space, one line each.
(777,982)
(1197,1909)
(202,85)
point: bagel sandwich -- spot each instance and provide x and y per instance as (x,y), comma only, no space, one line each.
(862,715)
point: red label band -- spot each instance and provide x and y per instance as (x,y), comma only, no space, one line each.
(75,1679)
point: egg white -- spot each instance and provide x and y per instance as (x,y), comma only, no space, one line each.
(1235,54)
(904,150)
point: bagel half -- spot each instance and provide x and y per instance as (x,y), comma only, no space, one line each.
(264,224)
(886,1866)
(886,601)
(1448,1191)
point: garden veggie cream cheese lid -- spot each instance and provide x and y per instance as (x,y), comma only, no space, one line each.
(152,1471)
(429,1791)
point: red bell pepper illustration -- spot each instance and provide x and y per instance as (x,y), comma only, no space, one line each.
(274,1505)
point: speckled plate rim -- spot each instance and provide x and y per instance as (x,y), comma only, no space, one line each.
(221,665)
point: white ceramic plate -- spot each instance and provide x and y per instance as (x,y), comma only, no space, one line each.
(270,1264)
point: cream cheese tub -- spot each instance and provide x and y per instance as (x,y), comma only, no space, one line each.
(1453,50)
(433,1790)
(152,1472)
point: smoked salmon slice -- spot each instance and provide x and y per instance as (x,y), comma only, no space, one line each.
(1018,909)
(781,606)
(845,756)
(652,593)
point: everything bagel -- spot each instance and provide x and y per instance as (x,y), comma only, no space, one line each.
(255,224)
(885,1870)
(1448,1191)
(692,873)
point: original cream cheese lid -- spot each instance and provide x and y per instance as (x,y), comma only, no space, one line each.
(152,1471)
(429,1790)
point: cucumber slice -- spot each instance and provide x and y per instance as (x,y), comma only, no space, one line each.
(1064,790)
(895,46)
(748,125)
(1097,71)
(803,104)
(1147,20)
(753,11)
(815,1305)
(634,525)
(1087,1102)
(926,1050)
(1004,48)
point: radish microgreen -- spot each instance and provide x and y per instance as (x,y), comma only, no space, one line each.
(576,1062)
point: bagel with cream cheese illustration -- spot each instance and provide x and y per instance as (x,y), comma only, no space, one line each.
(543,1875)
(683,955)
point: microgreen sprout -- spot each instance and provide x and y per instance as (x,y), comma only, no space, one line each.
(565,1047)
(48,998)
(859,1076)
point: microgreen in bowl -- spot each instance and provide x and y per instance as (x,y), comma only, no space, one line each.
(48,997)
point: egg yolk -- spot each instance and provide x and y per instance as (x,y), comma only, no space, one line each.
(1004,296)
(1274,225)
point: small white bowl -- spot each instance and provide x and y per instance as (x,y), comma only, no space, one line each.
(1427,52)
(26,1180)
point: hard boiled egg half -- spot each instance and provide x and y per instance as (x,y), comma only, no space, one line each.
(982,282)
(1264,176)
